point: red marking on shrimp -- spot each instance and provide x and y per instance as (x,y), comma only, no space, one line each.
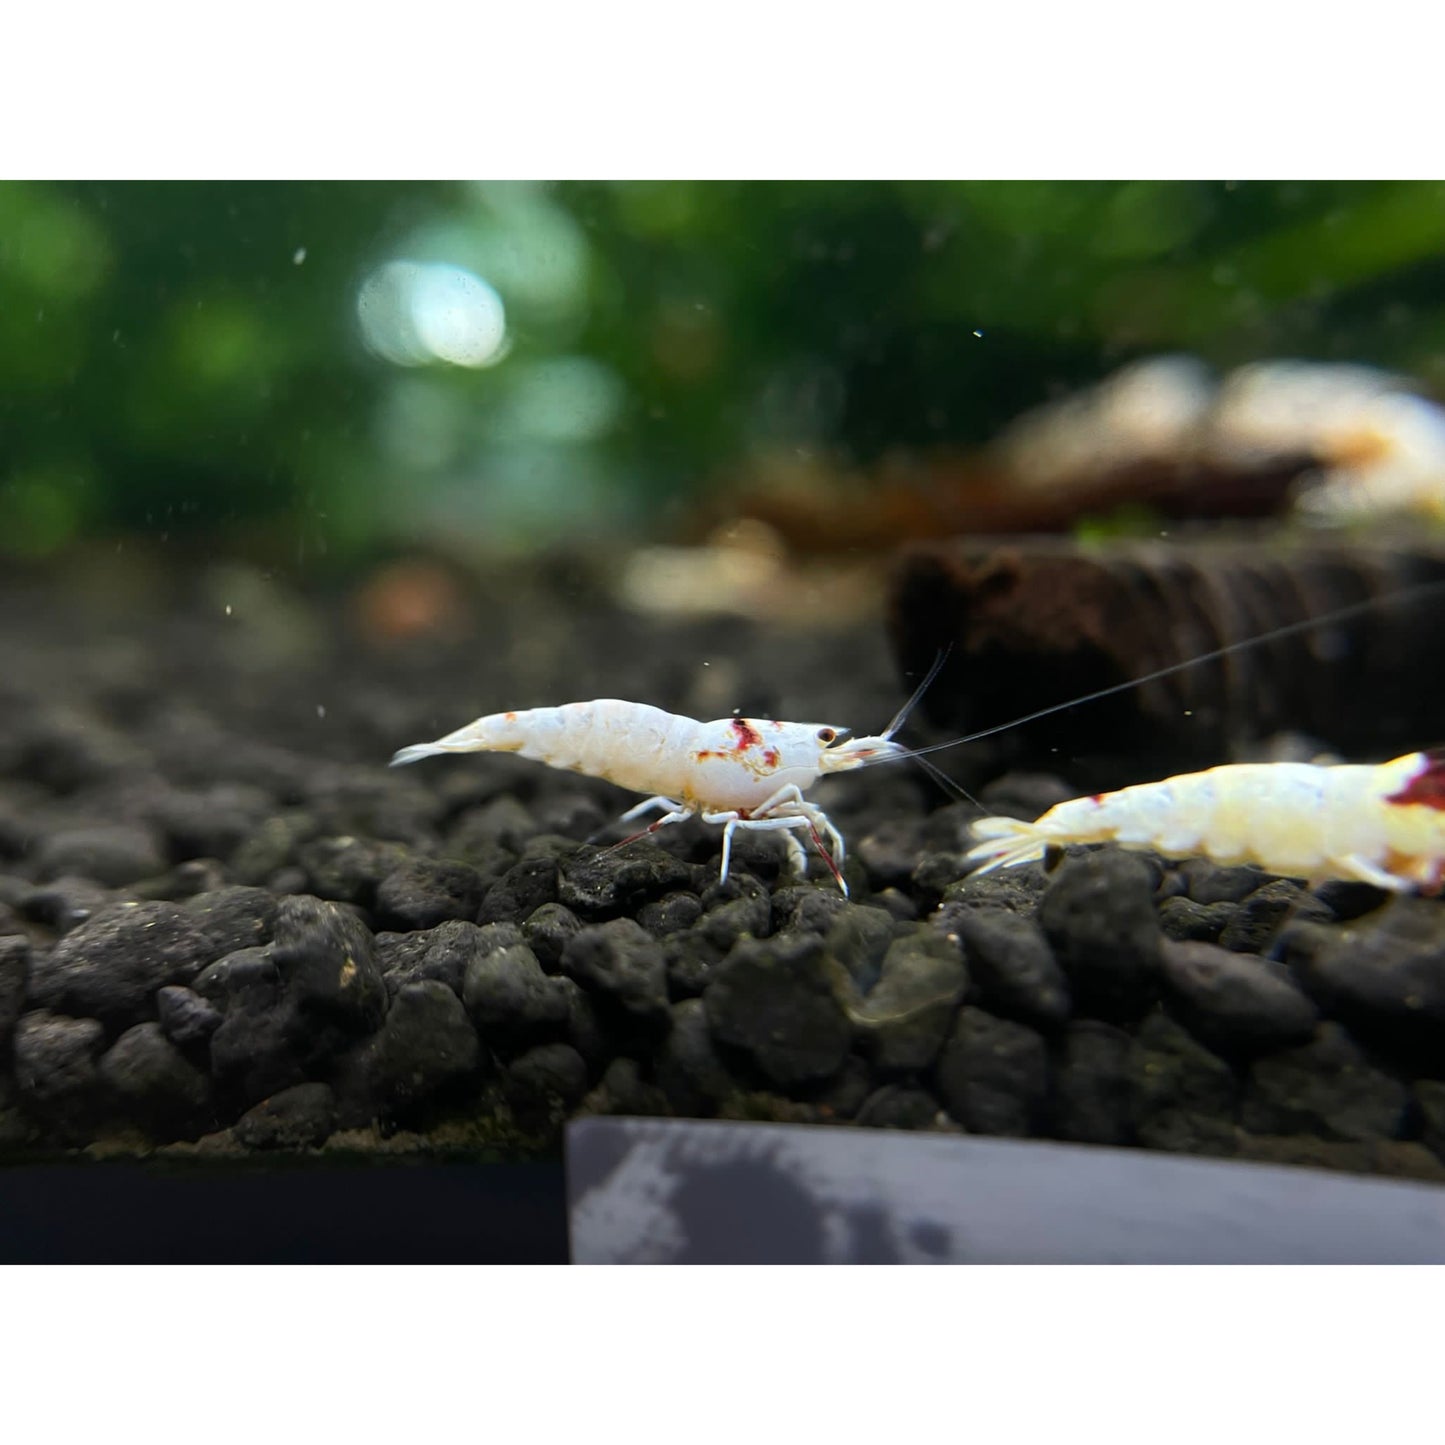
(1427,787)
(1096,797)
(510,716)
(770,757)
(828,859)
(747,735)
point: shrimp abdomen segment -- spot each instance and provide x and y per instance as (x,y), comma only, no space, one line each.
(628,743)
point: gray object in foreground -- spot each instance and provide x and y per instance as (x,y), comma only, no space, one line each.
(696,1192)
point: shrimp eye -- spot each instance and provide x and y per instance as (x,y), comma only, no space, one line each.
(826,735)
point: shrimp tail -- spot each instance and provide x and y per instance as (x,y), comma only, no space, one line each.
(415,752)
(1007,842)
(476,737)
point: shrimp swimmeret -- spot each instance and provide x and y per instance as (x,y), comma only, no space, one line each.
(739,772)
(1381,824)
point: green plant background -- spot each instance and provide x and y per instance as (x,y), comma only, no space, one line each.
(180,356)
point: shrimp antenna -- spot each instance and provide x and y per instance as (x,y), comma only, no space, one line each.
(1290,629)
(902,715)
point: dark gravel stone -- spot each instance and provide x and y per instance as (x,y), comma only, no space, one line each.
(349,870)
(859,939)
(186,1019)
(1235,1001)
(1176,1084)
(227,978)
(401,959)
(508,996)
(1012,967)
(1348,901)
(111,966)
(993,1074)
(112,854)
(234,918)
(1014,890)
(1178,1131)
(1390,1158)
(673,914)
(426,891)
(1186,921)
(14,968)
(212,822)
(56,1068)
(1326,1088)
(67,751)
(273,844)
(1098,916)
(899,905)
(260,1046)
(1260,920)
(624,1090)
(691,962)
(573,815)
(689,1071)
(65,903)
(1208,883)
(550,928)
(301,1117)
(155,1086)
(779,1001)
(623,962)
(1091,1084)
(843,1095)
(728,922)
(807,908)
(502,823)
(291,1008)
(601,884)
(907,1015)
(547,1078)
(520,891)
(899,1106)
(889,851)
(185,881)
(1430,1100)
(324,958)
(935,873)
(585,1030)
(442,953)
(1385,972)
(425,1044)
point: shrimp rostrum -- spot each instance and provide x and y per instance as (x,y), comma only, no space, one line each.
(1381,824)
(737,772)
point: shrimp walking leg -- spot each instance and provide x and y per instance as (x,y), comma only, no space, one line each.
(679,815)
(733,821)
(669,804)
(789,802)
(1367,872)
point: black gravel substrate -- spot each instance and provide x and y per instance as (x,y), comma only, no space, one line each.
(228,930)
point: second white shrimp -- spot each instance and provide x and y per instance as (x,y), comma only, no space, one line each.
(1381,824)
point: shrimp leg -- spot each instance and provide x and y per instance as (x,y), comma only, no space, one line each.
(658,802)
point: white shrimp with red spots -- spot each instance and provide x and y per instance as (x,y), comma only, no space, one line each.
(739,772)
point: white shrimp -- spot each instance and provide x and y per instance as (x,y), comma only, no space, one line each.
(1381,824)
(740,772)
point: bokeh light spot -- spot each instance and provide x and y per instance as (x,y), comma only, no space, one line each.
(414,313)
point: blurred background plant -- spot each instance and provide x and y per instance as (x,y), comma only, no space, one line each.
(362,365)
